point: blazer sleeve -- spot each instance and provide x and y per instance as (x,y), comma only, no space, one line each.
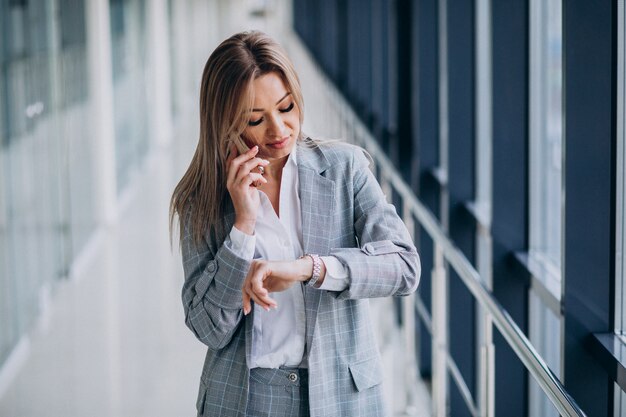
(386,263)
(212,290)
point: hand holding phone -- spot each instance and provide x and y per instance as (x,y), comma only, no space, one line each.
(242,180)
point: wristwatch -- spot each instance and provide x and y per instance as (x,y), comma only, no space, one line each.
(317,269)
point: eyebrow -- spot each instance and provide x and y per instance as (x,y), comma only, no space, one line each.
(277,103)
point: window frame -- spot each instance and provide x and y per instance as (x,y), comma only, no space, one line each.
(620,247)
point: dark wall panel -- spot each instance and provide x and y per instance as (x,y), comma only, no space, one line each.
(426,128)
(462,329)
(589,36)
(510,190)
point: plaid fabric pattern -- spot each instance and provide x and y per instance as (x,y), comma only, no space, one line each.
(344,214)
(274,394)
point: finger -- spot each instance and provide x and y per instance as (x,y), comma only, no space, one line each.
(262,293)
(251,295)
(254,285)
(246,155)
(233,166)
(246,302)
(260,301)
(248,297)
(258,294)
(250,166)
(252,178)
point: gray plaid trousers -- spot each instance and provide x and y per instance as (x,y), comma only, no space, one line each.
(278,393)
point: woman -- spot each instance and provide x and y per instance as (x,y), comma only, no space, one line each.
(283,239)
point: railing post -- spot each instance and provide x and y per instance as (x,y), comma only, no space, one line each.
(487,376)
(440,335)
(484,330)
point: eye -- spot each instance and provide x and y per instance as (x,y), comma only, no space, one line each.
(288,109)
(255,122)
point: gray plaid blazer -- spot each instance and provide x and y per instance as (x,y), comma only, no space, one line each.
(344,214)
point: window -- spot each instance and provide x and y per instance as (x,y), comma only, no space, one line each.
(130,87)
(546,134)
(546,190)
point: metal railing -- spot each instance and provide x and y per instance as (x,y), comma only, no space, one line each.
(447,252)
(341,118)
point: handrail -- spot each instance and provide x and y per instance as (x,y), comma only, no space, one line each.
(514,336)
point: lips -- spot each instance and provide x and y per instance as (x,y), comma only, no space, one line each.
(279,144)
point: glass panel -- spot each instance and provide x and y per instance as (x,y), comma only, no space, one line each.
(73,65)
(128,33)
(45,155)
(31,233)
(545,335)
(546,198)
(546,135)
(79,183)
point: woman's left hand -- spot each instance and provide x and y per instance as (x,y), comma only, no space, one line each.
(272,276)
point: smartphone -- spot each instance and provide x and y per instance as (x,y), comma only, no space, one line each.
(239,143)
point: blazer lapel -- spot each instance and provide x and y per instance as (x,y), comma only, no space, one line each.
(317,198)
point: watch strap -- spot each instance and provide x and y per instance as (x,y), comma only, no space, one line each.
(317,269)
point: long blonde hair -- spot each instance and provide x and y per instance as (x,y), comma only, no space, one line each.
(226,95)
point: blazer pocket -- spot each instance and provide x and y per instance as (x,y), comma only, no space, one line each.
(366,374)
(381,247)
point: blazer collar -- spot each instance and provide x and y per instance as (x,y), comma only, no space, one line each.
(310,156)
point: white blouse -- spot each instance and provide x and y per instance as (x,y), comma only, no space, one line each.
(278,335)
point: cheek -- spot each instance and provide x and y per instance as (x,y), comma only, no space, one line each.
(294,121)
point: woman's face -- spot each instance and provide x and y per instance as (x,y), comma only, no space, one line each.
(274,122)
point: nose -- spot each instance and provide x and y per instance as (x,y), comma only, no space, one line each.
(276,126)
